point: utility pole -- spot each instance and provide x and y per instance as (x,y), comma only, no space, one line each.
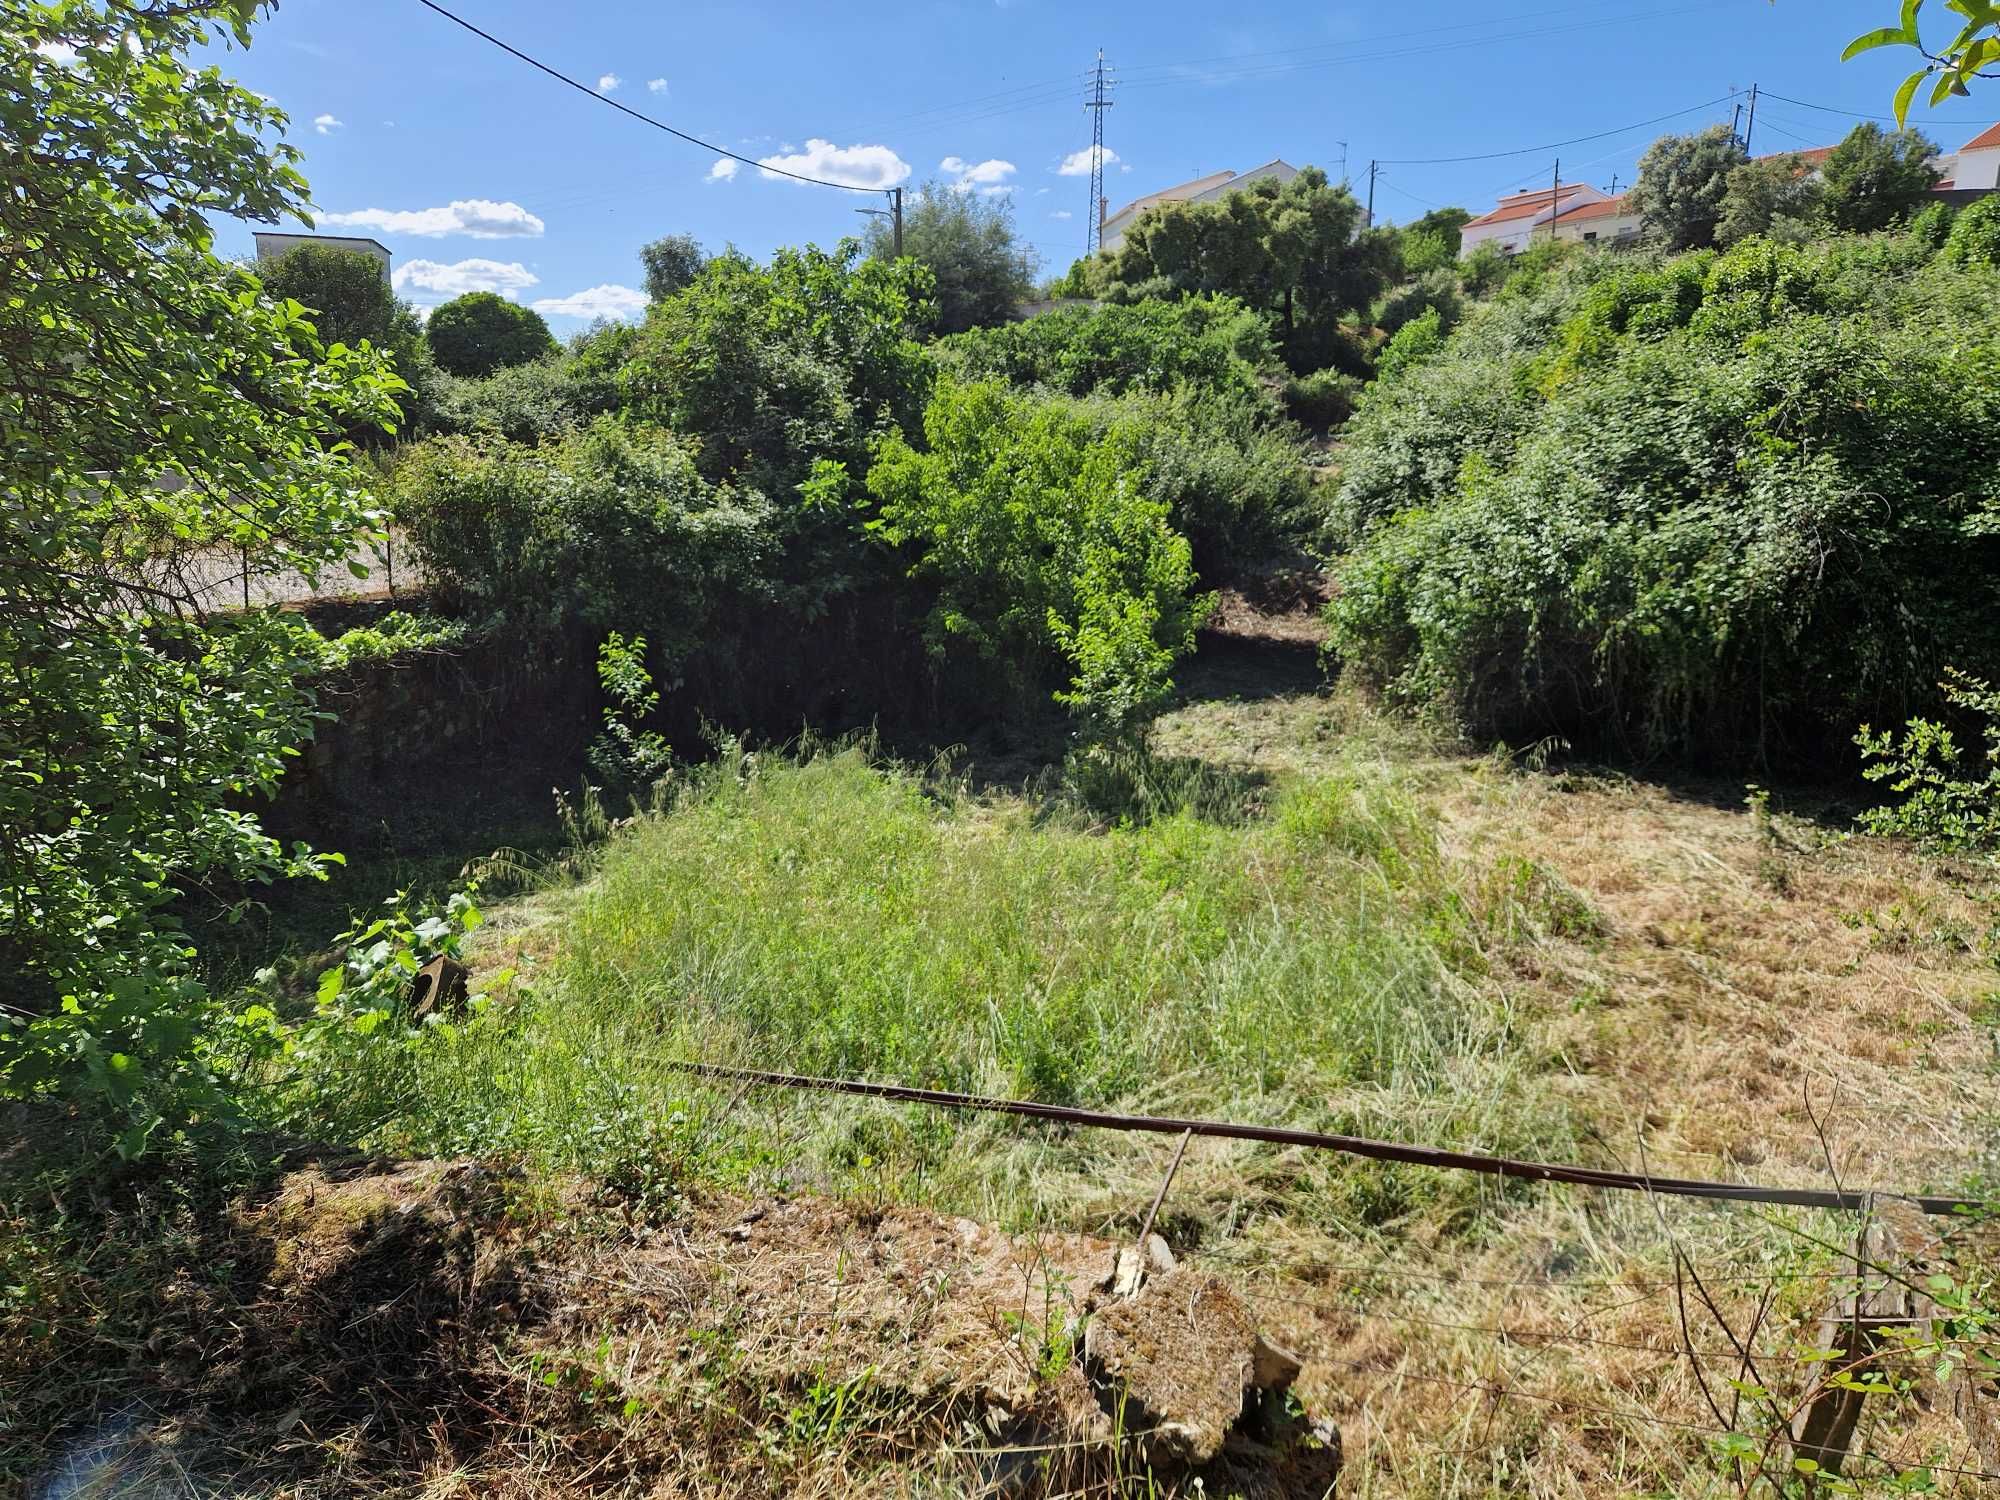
(1373,168)
(1736,122)
(1555,198)
(1097,104)
(1343,162)
(893,213)
(1751,129)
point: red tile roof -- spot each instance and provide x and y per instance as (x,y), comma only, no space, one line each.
(1602,210)
(1985,140)
(1812,156)
(1527,205)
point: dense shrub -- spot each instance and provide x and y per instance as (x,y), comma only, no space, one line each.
(1232,477)
(1437,289)
(1415,342)
(1723,507)
(1321,401)
(775,369)
(610,525)
(1975,234)
(1048,554)
(1213,342)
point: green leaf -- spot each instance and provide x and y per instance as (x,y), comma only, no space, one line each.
(1883,36)
(1905,93)
(331,983)
(1910,9)
(1945,84)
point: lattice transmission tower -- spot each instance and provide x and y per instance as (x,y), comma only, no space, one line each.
(1097,102)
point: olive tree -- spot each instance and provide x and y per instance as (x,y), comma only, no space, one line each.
(159,411)
(1683,182)
(967,241)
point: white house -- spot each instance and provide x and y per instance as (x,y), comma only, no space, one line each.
(1209,189)
(1606,222)
(1973,167)
(273,243)
(1516,219)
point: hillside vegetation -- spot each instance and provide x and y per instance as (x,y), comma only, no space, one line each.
(1722,507)
(1309,604)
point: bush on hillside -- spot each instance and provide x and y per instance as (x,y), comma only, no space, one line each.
(1437,289)
(1047,552)
(1212,342)
(1720,508)
(774,370)
(1975,234)
(541,399)
(610,525)
(1321,401)
(1232,476)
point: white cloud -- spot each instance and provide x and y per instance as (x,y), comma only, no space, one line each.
(984,175)
(725,169)
(62,54)
(504,277)
(656,85)
(598,302)
(327,124)
(1077,163)
(476,218)
(1003,190)
(851,166)
(608,82)
(1061,213)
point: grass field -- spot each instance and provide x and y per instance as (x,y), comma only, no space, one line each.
(1290,911)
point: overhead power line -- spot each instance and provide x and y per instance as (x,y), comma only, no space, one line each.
(640,115)
(1575,140)
(1855,114)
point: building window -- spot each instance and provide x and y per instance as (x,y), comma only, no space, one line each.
(1589,235)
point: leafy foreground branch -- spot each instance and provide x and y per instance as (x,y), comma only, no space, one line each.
(156,405)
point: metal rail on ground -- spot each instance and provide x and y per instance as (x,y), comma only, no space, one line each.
(1850,1199)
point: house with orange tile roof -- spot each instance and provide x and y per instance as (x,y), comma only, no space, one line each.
(1579,212)
(1973,167)
(1514,221)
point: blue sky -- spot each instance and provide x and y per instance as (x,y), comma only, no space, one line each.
(477,171)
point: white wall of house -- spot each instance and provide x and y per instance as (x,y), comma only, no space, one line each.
(1516,219)
(1972,169)
(272,243)
(1595,229)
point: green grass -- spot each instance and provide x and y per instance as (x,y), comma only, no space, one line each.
(1300,954)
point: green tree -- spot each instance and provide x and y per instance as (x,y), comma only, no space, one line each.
(481,332)
(345,290)
(159,412)
(1049,554)
(1683,180)
(1432,242)
(773,369)
(967,243)
(1295,250)
(1778,195)
(671,264)
(349,299)
(1875,178)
